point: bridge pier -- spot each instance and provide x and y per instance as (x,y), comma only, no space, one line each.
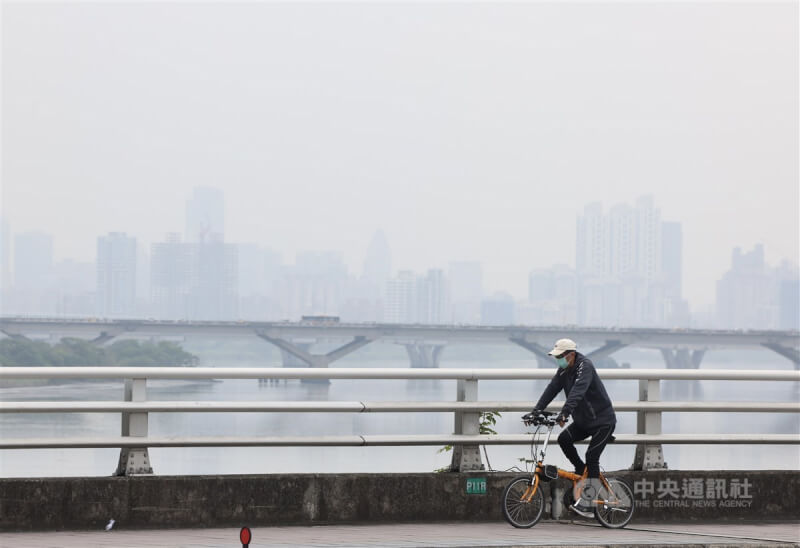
(424,356)
(104,337)
(791,354)
(290,360)
(683,358)
(299,352)
(543,361)
(606,350)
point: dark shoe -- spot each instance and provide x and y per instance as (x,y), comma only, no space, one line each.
(582,509)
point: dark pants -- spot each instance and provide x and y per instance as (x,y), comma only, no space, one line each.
(601,435)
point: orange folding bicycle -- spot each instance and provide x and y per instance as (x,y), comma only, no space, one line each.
(523,501)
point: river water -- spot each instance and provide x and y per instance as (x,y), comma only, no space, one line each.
(167,461)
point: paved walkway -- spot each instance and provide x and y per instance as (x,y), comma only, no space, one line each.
(421,535)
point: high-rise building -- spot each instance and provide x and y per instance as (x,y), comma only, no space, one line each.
(116,275)
(194,281)
(552,297)
(418,299)
(205,216)
(401,298)
(213,288)
(745,293)
(592,246)
(498,310)
(316,285)
(619,265)
(432,298)
(259,272)
(648,255)
(170,277)
(143,302)
(366,299)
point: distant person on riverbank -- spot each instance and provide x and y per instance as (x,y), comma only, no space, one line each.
(592,415)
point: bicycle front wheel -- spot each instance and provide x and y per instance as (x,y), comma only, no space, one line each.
(617,507)
(519,508)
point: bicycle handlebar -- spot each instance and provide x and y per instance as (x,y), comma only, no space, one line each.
(542,418)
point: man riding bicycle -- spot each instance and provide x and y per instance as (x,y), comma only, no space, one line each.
(592,415)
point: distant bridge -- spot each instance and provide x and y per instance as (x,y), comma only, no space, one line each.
(680,348)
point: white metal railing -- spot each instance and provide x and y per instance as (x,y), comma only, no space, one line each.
(135,440)
(189,373)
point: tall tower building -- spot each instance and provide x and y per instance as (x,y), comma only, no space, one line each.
(648,232)
(591,249)
(401,298)
(745,293)
(432,298)
(116,275)
(619,264)
(377,266)
(205,216)
(170,275)
(213,288)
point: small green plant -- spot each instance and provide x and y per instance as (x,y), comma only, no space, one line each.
(486,421)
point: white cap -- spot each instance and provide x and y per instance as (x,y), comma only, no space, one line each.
(563,345)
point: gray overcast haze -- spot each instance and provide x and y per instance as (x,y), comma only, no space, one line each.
(465,131)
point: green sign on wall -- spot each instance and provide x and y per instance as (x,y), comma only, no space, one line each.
(476,486)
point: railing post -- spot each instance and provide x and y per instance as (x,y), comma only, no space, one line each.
(134,460)
(649,456)
(466,458)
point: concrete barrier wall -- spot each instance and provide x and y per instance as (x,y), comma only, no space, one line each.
(305,499)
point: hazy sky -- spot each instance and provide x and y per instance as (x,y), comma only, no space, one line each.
(465,131)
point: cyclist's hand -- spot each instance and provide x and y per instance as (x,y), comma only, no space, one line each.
(561,420)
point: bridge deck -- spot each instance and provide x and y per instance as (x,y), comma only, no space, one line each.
(547,533)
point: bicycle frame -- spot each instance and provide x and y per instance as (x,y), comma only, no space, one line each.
(564,474)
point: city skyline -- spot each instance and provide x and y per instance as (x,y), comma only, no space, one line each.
(205,196)
(354,261)
(630,275)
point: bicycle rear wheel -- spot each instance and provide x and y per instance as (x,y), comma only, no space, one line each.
(617,509)
(518,512)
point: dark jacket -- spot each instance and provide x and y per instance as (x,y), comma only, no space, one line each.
(587,400)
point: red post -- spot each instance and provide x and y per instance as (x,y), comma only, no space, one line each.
(245,537)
